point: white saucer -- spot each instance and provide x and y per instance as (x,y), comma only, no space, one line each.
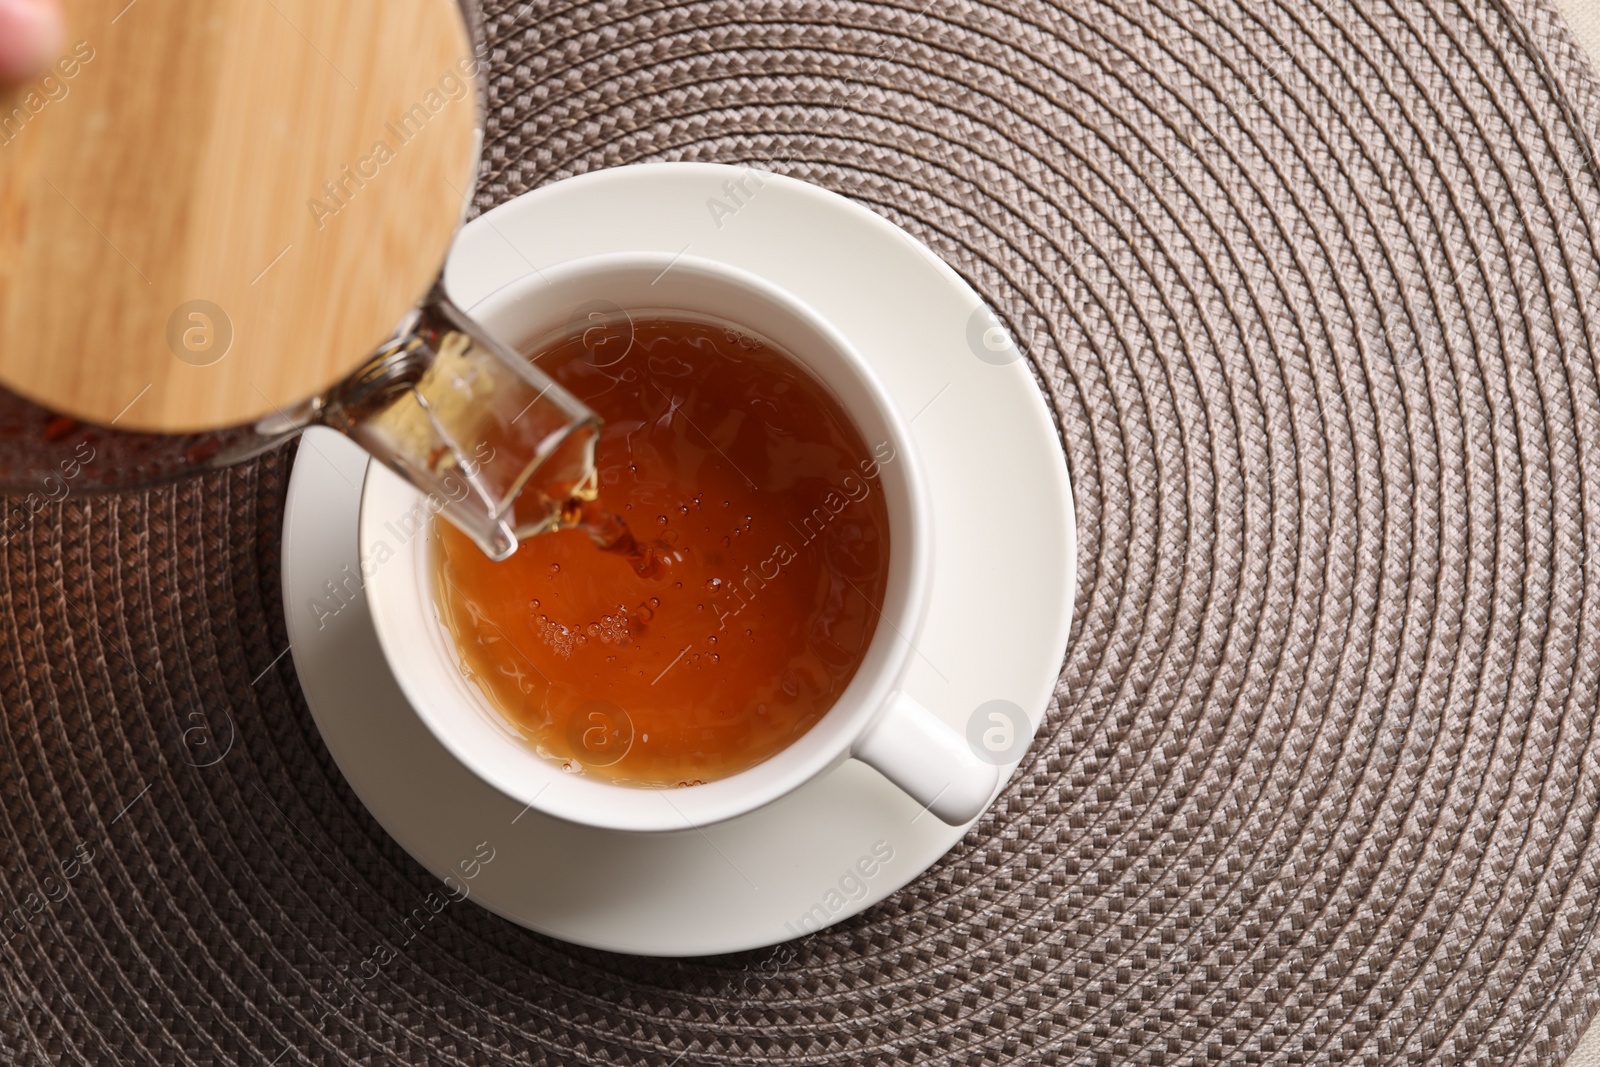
(997,624)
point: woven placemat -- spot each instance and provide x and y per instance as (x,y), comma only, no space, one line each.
(1309,286)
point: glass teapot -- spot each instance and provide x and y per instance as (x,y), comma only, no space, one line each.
(499,446)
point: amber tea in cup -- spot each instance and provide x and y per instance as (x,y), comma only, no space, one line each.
(716,598)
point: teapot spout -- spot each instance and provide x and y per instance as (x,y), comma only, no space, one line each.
(499,448)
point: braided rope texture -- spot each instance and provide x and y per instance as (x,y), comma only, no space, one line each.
(1308,286)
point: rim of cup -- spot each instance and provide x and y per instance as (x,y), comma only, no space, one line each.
(422,653)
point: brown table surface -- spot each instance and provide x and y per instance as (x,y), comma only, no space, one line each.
(1311,283)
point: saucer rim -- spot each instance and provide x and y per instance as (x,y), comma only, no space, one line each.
(714,935)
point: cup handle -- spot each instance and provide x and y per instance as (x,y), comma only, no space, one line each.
(933,764)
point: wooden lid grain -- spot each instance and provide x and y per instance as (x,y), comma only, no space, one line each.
(210,212)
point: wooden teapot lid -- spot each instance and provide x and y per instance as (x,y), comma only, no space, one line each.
(211,212)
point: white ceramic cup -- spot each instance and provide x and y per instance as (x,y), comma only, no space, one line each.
(874,719)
